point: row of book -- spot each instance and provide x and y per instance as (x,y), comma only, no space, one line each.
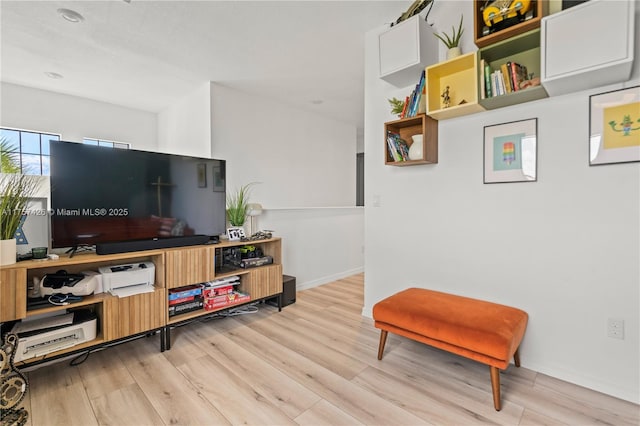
(398,147)
(502,81)
(414,103)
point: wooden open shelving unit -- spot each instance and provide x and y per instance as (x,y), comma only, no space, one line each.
(539,7)
(407,127)
(120,318)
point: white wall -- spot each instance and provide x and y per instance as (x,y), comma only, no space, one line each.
(565,249)
(300,159)
(185,126)
(305,166)
(74,118)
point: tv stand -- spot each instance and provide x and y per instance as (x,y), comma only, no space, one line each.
(123,318)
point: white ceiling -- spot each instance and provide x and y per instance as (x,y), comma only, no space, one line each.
(146,54)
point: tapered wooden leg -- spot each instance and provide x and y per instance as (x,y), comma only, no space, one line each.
(495,387)
(383,340)
(516,358)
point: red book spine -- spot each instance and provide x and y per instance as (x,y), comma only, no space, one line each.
(514,76)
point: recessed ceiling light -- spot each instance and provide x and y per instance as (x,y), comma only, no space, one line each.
(71,15)
(317,101)
(53,75)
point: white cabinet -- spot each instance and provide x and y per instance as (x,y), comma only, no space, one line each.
(405,50)
(588,45)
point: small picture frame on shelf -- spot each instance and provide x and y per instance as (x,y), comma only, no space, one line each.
(614,127)
(510,152)
(235,233)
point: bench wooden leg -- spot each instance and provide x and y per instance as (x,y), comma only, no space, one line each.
(495,387)
(516,358)
(383,340)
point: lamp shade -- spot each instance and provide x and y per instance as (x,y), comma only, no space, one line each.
(254,209)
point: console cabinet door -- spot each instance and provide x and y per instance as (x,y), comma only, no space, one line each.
(263,282)
(13,294)
(137,314)
(189,266)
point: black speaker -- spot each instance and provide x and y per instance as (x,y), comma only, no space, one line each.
(158,243)
(288,292)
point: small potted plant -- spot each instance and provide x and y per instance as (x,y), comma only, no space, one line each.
(15,190)
(397,106)
(453,42)
(237,207)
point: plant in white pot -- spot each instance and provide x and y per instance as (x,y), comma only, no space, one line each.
(237,208)
(453,42)
(15,190)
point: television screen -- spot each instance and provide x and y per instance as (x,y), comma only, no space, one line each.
(103,195)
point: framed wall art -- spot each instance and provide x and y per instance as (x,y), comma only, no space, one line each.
(218,178)
(510,152)
(202,175)
(614,127)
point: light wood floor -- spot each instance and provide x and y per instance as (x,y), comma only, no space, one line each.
(314,363)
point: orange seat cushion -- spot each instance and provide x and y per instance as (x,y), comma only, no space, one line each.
(484,331)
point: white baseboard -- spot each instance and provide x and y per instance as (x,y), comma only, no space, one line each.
(329,278)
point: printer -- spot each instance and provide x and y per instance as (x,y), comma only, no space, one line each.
(41,336)
(62,282)
(128,279)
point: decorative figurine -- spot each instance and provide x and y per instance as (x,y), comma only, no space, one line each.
(446,100)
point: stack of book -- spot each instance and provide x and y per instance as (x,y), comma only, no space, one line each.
(221,293)
(502,81)
(398,147)
(415,103)
(185,299)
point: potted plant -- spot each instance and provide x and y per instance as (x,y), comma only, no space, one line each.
(453,42)
(397,106)
(15,190)
(238,205)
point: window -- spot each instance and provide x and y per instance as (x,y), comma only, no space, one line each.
(106,144)
(31,149)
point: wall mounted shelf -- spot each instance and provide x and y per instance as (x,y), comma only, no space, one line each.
(588,45)
(461,76)
(539,8)
(405,49)
(407,127)
(523,49)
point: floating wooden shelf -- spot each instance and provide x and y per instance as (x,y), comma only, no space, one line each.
(539,8)
(407,127)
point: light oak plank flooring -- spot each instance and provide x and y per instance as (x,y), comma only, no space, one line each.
(314,363)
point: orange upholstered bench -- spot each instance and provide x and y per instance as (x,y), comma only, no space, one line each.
(483,331)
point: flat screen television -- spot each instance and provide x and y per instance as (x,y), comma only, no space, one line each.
(128,200)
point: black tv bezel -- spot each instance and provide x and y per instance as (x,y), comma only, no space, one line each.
(132,245)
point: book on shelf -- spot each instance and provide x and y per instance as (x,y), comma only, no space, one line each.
(506,77)
(483,92)
(404,107)
(397,147)
(487,80)
(413,102)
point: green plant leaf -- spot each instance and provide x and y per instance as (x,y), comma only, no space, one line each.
(238,204)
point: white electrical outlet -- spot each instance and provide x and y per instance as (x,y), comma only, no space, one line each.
(615,328)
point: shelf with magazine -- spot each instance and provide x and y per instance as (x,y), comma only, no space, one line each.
(420,129)
(509,71)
